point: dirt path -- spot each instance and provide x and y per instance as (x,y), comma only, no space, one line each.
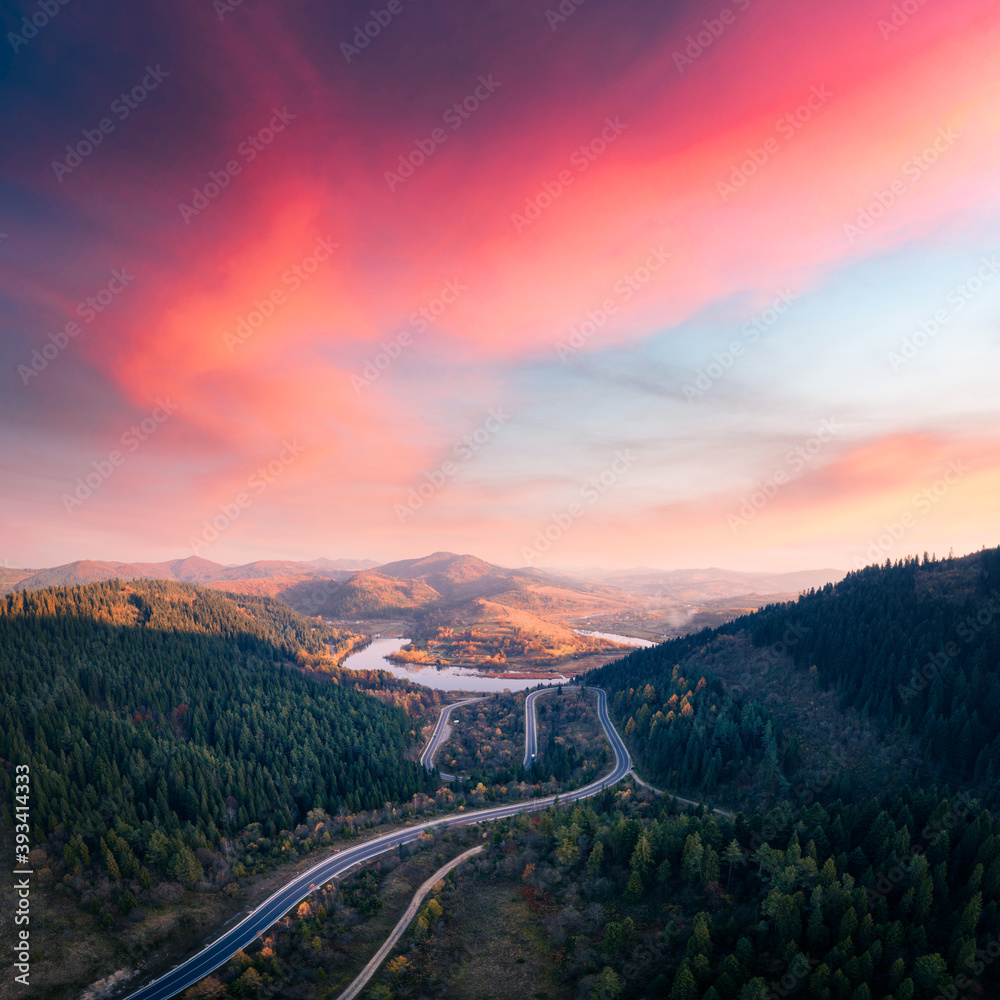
(411,911)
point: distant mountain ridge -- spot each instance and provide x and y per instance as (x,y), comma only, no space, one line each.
(345,588)
(193,569)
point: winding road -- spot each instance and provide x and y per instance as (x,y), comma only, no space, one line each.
(531,724)
(678,798)
(440,735)
(293,892)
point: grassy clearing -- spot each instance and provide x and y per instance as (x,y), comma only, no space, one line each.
(487,946)
(349,942)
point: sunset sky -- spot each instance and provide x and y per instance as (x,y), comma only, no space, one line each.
(683,284)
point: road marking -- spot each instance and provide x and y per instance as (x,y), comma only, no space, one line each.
(297,889)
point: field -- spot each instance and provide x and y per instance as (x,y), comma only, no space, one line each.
(489,636)
(486,945)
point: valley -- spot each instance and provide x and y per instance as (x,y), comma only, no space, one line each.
(796,738)
(463,612)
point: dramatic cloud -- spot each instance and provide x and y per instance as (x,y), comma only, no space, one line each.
(695,236)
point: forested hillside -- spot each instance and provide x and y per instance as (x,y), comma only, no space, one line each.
(159,718)
(623,898)
(898,897)
(912,647)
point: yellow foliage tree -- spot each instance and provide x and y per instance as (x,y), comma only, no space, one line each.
(251,981)
(208,989)
(399,965)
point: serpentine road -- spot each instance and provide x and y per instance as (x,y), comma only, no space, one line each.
(439,734)
(276,906)
(530,724)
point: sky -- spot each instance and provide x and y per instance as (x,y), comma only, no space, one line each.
(587,284)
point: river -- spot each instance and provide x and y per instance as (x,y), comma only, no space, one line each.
(372,657)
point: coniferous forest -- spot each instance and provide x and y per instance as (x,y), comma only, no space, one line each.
(912,647)
(158,718)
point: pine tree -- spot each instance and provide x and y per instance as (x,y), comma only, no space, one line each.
(596,859)
(642,858)
(607,986)
(685,987)
(109,861)
(633,890)
(733,856)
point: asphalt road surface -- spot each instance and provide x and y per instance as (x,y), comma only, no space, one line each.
(439,735)
(298,887)
(531,724)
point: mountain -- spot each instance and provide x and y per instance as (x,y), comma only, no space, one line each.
(193,569)
(10,577)
(454,577)
(460,578)
(672,602)
(350,565)
(898,662)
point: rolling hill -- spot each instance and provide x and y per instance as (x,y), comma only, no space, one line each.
(371,594)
